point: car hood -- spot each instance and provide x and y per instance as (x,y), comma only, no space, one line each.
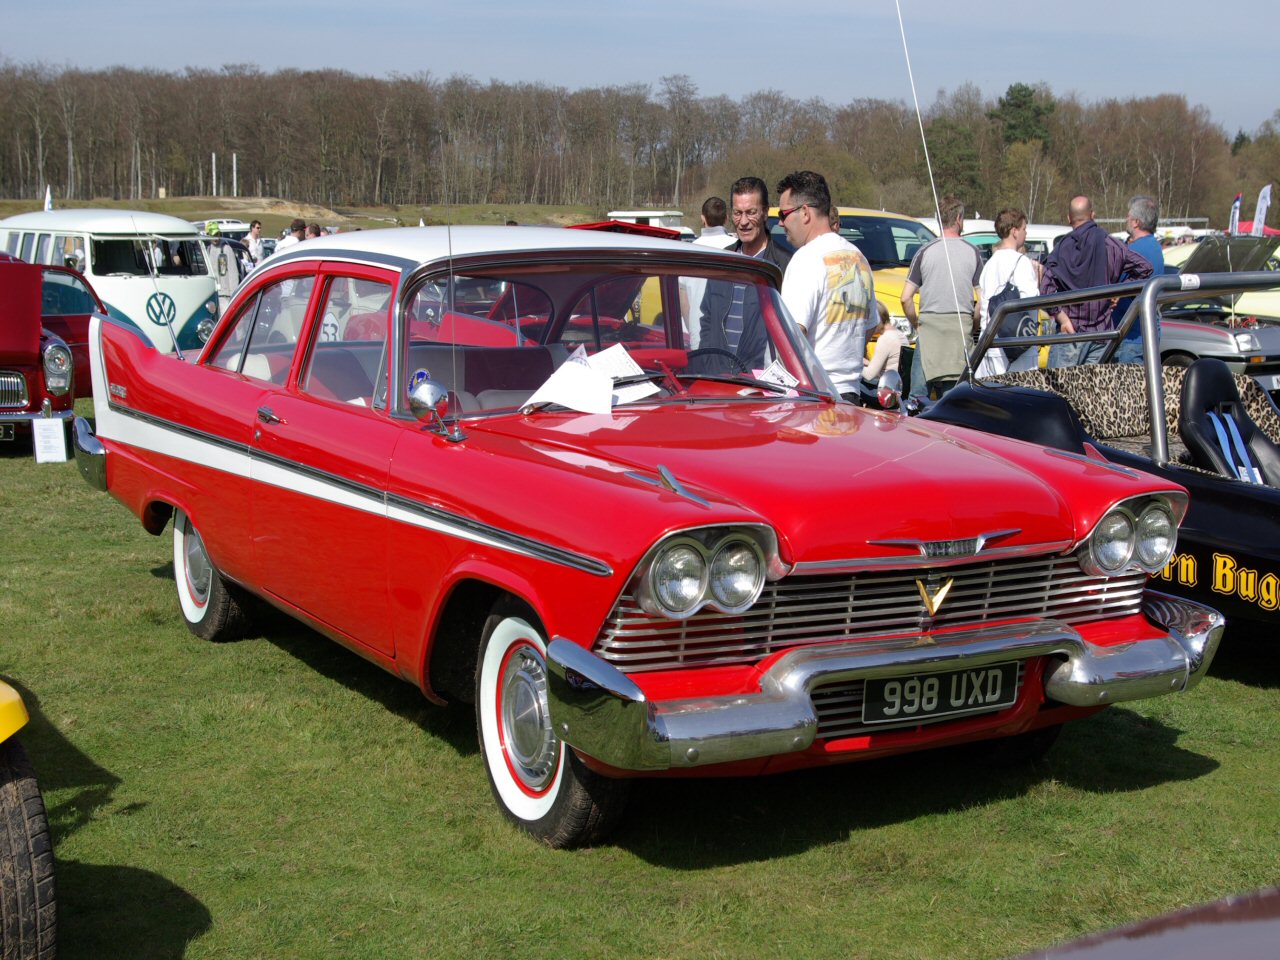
(834,481)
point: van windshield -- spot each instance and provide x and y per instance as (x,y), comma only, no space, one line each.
(139,256)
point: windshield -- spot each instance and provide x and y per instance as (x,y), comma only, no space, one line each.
(494,337)
(139,256)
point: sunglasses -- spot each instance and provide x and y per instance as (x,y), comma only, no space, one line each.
(784,212)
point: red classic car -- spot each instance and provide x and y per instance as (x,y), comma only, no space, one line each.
(634,556)
(44,334)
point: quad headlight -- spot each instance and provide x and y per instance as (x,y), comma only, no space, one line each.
(57,369)
(1141,532)
(724,567)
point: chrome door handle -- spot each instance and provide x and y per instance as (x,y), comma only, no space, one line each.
(266,416)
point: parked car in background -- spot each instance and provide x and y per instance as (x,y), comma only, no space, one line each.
(231,229)
(44,332)
(887,240)
(1203,427)
(150,269)
(1240,255)
(28,897)
(671,219)
(593,533)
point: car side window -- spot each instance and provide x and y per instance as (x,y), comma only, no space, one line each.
(63,295)
(230,353)
(282,307)
(348,341)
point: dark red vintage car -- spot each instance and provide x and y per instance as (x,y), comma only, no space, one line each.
(642,540)
(44,334)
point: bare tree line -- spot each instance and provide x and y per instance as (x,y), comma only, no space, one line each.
(335,138)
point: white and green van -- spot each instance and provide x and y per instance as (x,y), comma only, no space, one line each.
(149,269)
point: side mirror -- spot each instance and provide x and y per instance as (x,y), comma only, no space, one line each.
(889,392)
(428,401)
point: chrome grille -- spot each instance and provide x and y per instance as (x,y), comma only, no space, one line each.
(800,610)
(13,389)
(839,709)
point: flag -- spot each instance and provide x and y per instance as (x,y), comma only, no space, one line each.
(48,198)
(1260,212)
(1233,225)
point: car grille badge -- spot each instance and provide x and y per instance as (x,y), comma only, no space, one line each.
(934,597)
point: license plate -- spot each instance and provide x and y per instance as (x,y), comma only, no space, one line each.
(928,695)
(6,431)
(1269,381)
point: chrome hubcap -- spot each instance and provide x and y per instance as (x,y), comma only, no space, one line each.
(526,722)
(199,570)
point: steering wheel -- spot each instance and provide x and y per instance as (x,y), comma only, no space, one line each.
(739,366)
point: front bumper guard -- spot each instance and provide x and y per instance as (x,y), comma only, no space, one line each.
(600,711)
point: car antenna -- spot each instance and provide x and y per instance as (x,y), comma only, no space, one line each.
(933,187)
(152,270)
(455,434)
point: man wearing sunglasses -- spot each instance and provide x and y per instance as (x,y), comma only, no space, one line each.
(827,288)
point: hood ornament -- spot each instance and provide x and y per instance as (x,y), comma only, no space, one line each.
(948,549)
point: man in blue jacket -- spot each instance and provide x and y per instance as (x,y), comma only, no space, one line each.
(1141,224)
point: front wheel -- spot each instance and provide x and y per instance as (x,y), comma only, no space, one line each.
(538,782)
(212,608)
(28,904)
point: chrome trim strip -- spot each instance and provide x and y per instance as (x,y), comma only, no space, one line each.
(597,709)
(26,416)
(911,563)
(379,498)
(537,548)
(922,546)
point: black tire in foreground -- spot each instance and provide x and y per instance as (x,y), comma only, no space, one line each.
(539,783)
(28,902)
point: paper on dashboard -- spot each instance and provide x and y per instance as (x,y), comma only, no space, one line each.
(577,386)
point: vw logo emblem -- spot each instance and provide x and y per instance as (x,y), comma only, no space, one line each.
(161,310)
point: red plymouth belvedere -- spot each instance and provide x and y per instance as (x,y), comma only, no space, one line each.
(642,542)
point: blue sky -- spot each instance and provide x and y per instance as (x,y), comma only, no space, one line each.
(1212,52)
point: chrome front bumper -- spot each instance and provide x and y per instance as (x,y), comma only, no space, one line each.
(600,711)
(26,416)
(91,455)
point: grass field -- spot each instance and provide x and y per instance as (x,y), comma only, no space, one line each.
(279,797)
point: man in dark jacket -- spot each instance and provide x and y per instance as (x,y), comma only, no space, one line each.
(729,316)
(1087,257)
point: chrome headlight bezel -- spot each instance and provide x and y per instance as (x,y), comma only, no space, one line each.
(1136,514)
(59,367)
(709,543)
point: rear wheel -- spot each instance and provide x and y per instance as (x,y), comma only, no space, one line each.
(538,782)
(28,905)
(212,608)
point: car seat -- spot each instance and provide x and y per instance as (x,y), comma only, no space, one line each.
(1218,433)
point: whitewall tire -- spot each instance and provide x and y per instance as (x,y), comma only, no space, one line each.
(212,608)
(538,782)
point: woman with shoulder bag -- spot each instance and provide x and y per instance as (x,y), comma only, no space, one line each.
(1009,274)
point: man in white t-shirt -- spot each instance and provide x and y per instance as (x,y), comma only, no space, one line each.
(828,289)
(692,289)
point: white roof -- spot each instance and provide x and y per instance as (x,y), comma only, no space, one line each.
(424,244)
(100,221)
(615,214)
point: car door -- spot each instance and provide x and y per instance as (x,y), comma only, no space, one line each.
(321,454)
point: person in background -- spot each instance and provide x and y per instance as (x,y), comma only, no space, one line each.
(887,354)
(828,288)
(253,240)
(1008,264)
(1086,257)
(714,212)
(1144,212)
(945,271)
(297,229)
(314,230)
